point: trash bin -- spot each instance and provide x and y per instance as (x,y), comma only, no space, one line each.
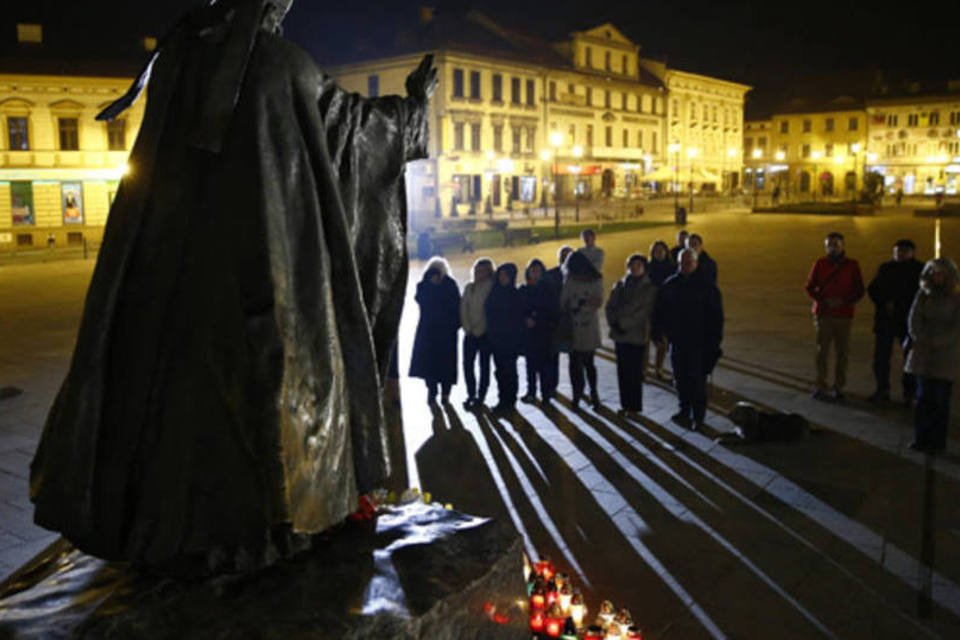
(680,215)
(423,245)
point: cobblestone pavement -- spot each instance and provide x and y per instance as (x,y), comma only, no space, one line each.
(697,538)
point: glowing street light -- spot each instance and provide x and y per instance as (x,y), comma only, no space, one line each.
(780,156)
(757,154)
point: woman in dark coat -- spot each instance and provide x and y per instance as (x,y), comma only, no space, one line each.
(660,267)
(541,315)
(435,345)
(505,327)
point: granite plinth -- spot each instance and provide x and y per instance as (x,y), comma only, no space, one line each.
(417,571)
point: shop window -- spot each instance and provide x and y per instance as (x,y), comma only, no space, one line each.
(21,203)
(24,239)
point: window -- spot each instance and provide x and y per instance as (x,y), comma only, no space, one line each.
(658,105)
(588,57)
(640,138)
(589,97)
(624,66)
(589,135)
(853,124)
(892,120)
(955,117)
(21,203)
(117,134)
(623,101)
(828,151)
(645,107)
(762,142)
(714,111)
(748,143)
(934,118)
(784,126)
(497,87)
(805,151)
(706,113)
(18,134)
(913,120)
(828,124)
(606,99)
(529,139)
(608,136)
(531,93)
(515,139)
(458,136)
(572,131)
(626,138)
(373,86)
(807,125)
(653,142)
(553,91)
(474,85)
(606,61)
(458,83)
(498,137)
(515,90)
(69,133)
(475,136)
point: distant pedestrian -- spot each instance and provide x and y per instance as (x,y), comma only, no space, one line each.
(690,310)
(835,285)
(775,196)
(581,298)
(591,250)
(680,246)
(899,196)
(505,326)
(435,343)
(706,265)
(628,311)
(541,315)
(892,291)
(659,268)
(476,344)
(934,325)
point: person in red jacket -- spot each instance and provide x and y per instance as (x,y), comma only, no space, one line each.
(835,285)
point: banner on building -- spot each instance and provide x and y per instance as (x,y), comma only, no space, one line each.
(21,202)
(71,195)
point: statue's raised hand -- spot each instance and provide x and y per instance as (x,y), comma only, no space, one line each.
(423,80)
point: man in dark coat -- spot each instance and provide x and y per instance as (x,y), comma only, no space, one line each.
(706,265)
(691,312)
(224,395)
(892,291)
(541,312)
(434,356)
(505,327)
(682,236)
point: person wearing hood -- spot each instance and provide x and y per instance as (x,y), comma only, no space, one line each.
(934,326)
(473,319)
(541,314)
(892,292)
(435,343)
(505,326)
(690,310)
(706,265)
(580,299)
(835,285)
(660,266)
(628,311)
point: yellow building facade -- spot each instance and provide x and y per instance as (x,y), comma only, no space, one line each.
(509,134)
(59,167)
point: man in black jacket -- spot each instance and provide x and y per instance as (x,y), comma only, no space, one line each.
(690,310)
(706,265)
(892,291)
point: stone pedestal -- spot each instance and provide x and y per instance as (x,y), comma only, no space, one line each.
(418,571)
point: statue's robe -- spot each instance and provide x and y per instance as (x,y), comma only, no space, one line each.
(225,387)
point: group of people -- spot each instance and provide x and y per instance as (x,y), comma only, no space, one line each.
(668,299)
(917,306)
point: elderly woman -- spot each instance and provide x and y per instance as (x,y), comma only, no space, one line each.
(628,310)
(934,326)
(435,344)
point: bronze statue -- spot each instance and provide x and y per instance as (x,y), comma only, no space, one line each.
(222,397)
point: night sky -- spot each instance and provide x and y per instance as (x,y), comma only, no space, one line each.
(769,46)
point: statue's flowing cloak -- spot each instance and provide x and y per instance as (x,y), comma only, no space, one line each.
(226,380)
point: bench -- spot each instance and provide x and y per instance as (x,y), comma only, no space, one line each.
(524,235)
(441,244)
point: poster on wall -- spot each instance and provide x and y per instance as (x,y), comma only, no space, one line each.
(71,195)
(21,202)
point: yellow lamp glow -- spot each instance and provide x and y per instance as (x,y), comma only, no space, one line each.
(556,139)
(577,151)
(757,154)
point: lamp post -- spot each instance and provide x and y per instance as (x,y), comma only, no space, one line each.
(556,140)
(674,148)
(756,154)
(577,154)
(691,153)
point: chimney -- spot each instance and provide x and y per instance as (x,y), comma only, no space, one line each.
(30,33)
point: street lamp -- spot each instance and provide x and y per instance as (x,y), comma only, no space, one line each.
(556,141)
(691,153)
(577,154)
(756,154)
(674,148)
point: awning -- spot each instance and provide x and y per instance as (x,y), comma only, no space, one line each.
(702,175)
(663,174)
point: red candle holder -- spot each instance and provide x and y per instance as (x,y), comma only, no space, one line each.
(553,627)
(538,601)
(537,620)
(546,569)
(552,598)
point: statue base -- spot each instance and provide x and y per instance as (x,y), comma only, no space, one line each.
(416,571)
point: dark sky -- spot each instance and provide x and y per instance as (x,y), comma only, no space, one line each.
(764,44)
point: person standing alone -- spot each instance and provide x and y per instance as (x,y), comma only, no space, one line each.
(835,285)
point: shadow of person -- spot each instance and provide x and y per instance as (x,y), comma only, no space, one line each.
(453,469)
